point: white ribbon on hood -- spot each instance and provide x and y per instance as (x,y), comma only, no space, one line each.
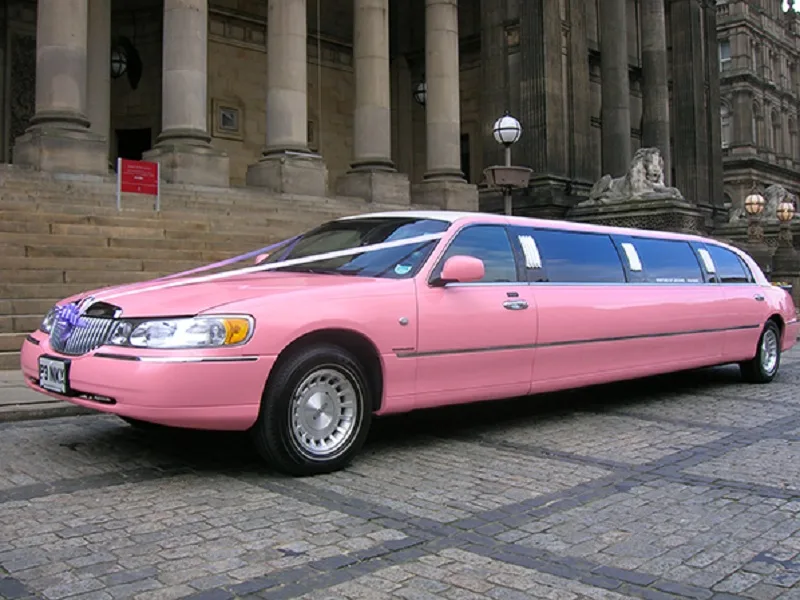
(277,265)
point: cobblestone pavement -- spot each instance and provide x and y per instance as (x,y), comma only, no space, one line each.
(685,486)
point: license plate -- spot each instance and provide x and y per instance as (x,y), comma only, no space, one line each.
(53,375)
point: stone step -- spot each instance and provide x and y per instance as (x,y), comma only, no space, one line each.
(190,223)
(27,306)
(88,264)
(201,256)
(19,323)
(9,361)
(11,342)
(89,277)
(230,243)
(41,291)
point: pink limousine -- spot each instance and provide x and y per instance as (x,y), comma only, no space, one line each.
(391,312)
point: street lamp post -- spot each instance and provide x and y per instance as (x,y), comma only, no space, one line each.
(785,265)
(754,205)
(507,131)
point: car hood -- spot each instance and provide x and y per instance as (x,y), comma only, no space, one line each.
(159,299)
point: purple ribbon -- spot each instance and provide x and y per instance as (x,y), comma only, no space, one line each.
(68,318)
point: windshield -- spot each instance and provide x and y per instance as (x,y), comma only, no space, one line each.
(396,263)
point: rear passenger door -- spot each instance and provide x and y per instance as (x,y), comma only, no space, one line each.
(743,311)
(678,311)
(590,325)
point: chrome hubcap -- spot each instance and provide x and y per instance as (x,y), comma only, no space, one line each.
(324,412)
(769,351)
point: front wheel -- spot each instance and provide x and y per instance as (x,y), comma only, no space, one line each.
(764,367)
(315,413)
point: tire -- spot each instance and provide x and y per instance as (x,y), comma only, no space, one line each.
(767,361)
(297,439)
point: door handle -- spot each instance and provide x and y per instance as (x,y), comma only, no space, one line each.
(515,304)
(759,298)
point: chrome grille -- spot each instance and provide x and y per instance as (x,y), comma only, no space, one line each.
(94,333)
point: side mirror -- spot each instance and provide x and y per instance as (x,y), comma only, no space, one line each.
(261,258)
(462,269)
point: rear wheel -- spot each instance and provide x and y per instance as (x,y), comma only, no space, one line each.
(764,366)
(315,413)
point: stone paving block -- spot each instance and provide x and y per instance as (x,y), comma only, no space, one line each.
(685,488)
(477,478)
(608,437)
(208,564)
(463,575)
(768,462)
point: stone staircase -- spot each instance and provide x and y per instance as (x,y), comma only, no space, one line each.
(63,235)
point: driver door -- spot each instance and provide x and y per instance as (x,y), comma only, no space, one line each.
(476,340)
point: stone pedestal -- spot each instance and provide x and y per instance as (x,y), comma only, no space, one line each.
(446,195)
(183,148)
(656,214)
(59,139)
(388,187)
(189,164)
(60,149)
(290,173)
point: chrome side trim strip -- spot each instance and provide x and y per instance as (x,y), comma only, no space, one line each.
(792,322)
(176,359)
(571,342)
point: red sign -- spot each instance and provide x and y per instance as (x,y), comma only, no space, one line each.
(138,177)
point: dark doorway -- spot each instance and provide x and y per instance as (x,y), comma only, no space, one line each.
(465,156)
(131,143)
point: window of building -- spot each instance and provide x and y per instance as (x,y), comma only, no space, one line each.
(724,54)
(777,138)
(573,257)
(725,117)
(489,243)
(668,261)
(792,151)
(728,266)
(755,134)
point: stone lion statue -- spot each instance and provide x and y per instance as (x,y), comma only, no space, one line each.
(643,181)
(774,195)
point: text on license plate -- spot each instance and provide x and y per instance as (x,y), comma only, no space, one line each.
(53,375)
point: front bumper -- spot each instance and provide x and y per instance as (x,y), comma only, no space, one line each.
(193,390)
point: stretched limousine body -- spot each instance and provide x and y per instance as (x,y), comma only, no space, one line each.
(391,312)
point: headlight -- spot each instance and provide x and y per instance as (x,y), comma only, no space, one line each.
(46,326)
(193,332)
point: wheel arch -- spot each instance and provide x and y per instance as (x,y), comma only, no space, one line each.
(353,341)
(779,321)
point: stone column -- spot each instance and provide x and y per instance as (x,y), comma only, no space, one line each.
(373,175)
(59,139)
(287,165)
(616,97)
(655,90)
(98,87)
(443,183)
(184,146)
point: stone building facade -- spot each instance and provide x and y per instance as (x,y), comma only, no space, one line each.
(316,97)
(759,44)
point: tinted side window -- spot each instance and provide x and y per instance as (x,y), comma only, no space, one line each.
(572,257)
(728,266)
(491,244)
(668,261)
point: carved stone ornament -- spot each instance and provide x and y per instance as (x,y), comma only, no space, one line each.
(774,195)
(643,181)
